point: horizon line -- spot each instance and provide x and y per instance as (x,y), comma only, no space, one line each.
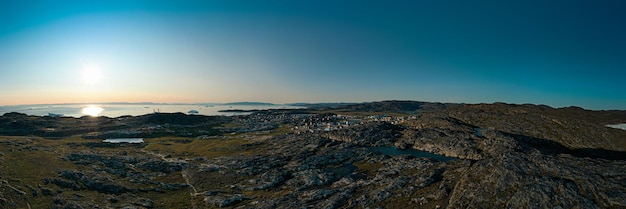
(296,103)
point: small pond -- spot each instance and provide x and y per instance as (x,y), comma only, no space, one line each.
(393,151)
(342,171)
(124,140)
(618,126)
(477,131)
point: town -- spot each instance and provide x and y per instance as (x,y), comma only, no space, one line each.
(300,123)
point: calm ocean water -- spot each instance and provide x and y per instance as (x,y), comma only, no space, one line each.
(116,110)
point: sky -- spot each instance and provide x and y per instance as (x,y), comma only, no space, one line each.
(558,53)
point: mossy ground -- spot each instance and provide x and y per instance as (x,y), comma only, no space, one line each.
(27,161)
(217,146)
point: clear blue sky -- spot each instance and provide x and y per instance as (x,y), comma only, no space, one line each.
(558,53)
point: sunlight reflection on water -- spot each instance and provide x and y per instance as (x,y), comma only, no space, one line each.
(92,110)
(117,110)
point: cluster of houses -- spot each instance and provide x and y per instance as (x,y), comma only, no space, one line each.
(391,119)
(322,123)
(312,123)
(300,123)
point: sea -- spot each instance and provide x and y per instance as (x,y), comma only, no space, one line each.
(116,110)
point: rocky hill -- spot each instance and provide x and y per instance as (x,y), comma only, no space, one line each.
(498,156)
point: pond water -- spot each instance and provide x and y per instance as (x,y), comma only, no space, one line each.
(393,151)
(124,140)
(342,171)
(618,126)
(477,131)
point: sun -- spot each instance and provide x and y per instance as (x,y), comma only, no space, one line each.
(91,74)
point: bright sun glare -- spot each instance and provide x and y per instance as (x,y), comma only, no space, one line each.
(92,110)
(91,73)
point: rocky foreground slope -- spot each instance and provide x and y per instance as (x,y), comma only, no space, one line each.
(502,156)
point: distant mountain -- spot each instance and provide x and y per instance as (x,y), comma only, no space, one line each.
(387,106)
(132,103)
(318,105)
(248,103)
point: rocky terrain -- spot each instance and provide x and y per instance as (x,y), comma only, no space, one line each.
(500,156)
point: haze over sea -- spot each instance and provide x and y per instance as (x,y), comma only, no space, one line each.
(134,109)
